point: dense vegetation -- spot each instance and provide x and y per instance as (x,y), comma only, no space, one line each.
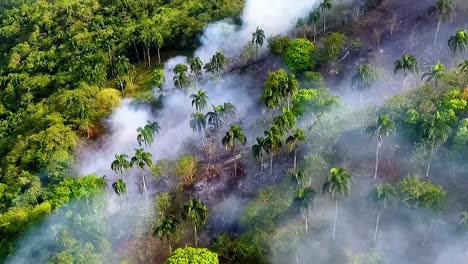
(65,65)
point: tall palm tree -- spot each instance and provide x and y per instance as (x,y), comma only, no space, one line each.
(196,212)
(198,124)
(257,38)
(324,6)
(314,18)
(364,79)
(463,67)
(220,115)
(408,64)
(337,184)
(199,100)
(384,128)
(382,195)
(293,142)
(216,64)
(196,67)
(286,121)
(303,200)
(142,159)
(146,133)
(273,142)
(120,188)
(120,165)
(167,228)
(258,150)
(229,142)
(443,10)
(434,73)
(438,133)
(459,42)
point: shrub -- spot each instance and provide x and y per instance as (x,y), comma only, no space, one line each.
(298,56)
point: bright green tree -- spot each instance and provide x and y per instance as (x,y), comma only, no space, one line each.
(229,142)
(190,255)
(408,64)
(199,100)
(196,212)
(196,68)
(434,73)
(438,133)
(298,56)
(459,42)
(167,228)
(216,64)
(120,165)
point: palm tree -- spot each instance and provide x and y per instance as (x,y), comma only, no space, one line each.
(408,64)
(146,134)
(167,228)
(303,200)
(257,38)
(434,73)
(285,121)
(197,213)
(293,141)
(443,9)
(325,5)
(458,42)
(196,67)
(438,133)
(120,188)
(382,195)
(258,150)
(463,66)
(142,159)
(220,115)
(314,18)
(228,141)
(216,64)
(199,100)
(384,128)
(198,124)
(120,165)
(337,184)
(273,142)
(364,79)
(180,78)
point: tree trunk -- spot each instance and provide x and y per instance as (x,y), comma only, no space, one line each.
(315,32)
(437,30)
(136,51)
(195,237)
(121,205)
(235,161)
(336,217)
(306,219)
(149,57)
(404,81)
(295,159)
(324,22)
(271,164)
(377,223)
(159,57)
(203,142)
(297,259)
(170,249)
(261,164)
(428,233)
(377,158)
(430,159)
(143,180)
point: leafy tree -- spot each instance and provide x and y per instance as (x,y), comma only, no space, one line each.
(293,142)
(196,212)
(303,200)
(120,188)
(120,165)
(438,133)
(185,167)
(278,44)
(142,159)
(216,64)
(459,42)
(314,18)
(196,67)
(199,100)
(337,184)
(273,142)
(146,133)
(383,195)
(257,38)
(333,45)
(384,128)
(198,124)
(157,78)
(286,121)
(220,115)
(364,79)
(408,64)
(167,228)
(279,85)
(258,150)
(298,56)
(443,10)
(324,6)
(181,81)
(190,255)
(229,142)
(122,68)
(415,193)
(434,73)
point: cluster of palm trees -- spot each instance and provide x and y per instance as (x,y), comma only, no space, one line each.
(315,15)
(141,159)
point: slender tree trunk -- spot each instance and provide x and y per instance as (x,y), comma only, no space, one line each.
(315,32)
(377,159)
(170,249)
(430,159)
(271,164)
(121,205)
(336,218)
(377,223)
(295,159)
(203,142)
(306,218)
(235,161)
(136,51)
(261,164)
(297,259)
(144,181)
(324,22)
(428,233)
(159,56)
(437,30)
(149,57)
(195,236)
(404,81)
(123,177)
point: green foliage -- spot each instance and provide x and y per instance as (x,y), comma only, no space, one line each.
(216,64)
(298,56)
(418,194)
(278,86)
(312,80)
(315,101)
(157,78)
(238,250)
(333,45)
(191,255)
(277,45)
(185,167)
